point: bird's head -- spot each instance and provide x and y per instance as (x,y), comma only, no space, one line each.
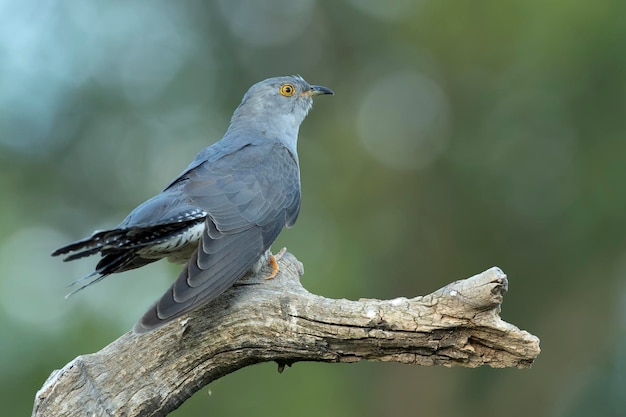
(276,102)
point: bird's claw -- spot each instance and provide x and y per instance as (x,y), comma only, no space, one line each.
(272,260)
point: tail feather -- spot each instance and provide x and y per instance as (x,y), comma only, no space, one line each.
(108,265)
(153,235)
(91,274)
(121,249)
(90,245)
(126,238)
(82,254)
(88,242)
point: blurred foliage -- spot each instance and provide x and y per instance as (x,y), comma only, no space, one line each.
(462,135)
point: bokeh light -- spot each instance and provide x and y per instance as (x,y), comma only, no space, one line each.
(404,121)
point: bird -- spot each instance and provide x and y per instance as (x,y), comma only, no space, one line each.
(222,213)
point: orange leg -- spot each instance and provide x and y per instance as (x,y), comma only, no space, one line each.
(273,262)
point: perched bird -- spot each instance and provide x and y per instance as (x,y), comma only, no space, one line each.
(222,213)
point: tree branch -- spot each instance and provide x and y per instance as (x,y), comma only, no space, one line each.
(278,320)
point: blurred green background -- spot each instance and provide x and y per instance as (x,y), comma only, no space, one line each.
(462,135)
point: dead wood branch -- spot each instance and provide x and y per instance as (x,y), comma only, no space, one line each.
(278,320)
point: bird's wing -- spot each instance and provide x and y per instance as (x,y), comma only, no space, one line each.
(249,195)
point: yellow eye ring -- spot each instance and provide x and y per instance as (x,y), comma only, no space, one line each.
(287,90)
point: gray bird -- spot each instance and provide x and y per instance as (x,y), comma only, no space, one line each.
(222,213)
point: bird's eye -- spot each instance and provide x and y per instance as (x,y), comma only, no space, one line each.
(287,90)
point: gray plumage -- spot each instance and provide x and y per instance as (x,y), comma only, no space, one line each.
(222,213)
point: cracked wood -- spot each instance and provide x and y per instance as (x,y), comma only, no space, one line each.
(278,320)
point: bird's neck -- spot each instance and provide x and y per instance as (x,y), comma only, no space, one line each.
(280,129)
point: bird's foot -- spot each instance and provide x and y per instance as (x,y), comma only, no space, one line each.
(272,260)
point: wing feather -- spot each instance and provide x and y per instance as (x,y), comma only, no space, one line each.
(249,196)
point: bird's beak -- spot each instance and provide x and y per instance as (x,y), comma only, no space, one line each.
(317,90)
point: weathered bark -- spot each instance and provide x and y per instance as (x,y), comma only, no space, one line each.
(278,320)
